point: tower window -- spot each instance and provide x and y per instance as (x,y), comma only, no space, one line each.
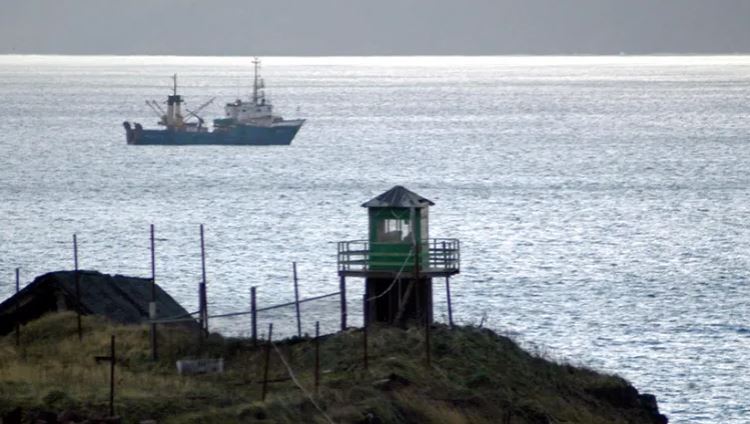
(394,231)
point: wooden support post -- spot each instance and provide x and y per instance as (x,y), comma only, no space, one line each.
(111,359)
(203,308)
(152,312)
(389,302)
(412,281)
(317,358)
(342,290)
(201,315)
(18,319)
(153,266)
(364,337)
(427,325)
(253,316)
(427,303)
(364,346)
(416,272)
(365,305)
(112,377)
(296,300)
(203,291)
(448,297)
(419,310)
(404,300)
(268,359)
(78,287)
(398,300)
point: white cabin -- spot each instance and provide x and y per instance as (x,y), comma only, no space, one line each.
(257,110)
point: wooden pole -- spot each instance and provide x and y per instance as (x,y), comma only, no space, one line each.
(342,291)
(203,308)
(409,288)
(112,359)
(364,345)
(203,255)
(448,296)
(254,316)
(112,378)
(404,301)
(447,286)
(78,287)
(416,273)
(153,266)
(152,307)
(203,273)
(296,300)
(366,313)
(200,314)
(18,319)
(364,336)
(427,304)
(427,329)
(268,359)
(398,300)
(317,357)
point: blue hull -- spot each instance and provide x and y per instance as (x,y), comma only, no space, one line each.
(241,135)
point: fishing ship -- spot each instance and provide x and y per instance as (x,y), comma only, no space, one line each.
(250,122)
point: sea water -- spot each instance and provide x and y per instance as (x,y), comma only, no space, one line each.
(602,203)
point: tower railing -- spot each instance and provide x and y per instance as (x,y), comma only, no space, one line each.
(436,255)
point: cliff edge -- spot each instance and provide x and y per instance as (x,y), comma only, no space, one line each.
(474,376)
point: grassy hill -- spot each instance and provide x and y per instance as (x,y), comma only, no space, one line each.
(475,376)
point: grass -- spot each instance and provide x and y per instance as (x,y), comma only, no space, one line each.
(476,376)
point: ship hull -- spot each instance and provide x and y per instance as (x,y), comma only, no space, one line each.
(240,135)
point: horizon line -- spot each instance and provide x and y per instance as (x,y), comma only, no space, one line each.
(620,54)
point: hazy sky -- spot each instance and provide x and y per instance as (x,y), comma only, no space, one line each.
(375,27)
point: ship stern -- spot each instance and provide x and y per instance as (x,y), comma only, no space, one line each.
(132,133)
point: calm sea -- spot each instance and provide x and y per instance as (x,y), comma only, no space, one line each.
(602,202)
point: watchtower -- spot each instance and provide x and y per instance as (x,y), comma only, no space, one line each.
(398,260)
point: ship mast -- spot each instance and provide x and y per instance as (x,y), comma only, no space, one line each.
(259,97)
(256,63)
(173,118)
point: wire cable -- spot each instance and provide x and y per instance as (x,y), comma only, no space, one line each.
(296,382)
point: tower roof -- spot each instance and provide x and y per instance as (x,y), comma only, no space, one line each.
(398,197)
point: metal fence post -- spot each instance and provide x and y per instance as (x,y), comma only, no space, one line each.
(364,337)
(342,291)
(448,296)
(152,307)
(203,287)
(78,287)
(112,378)
(268,359)
(296,300)
(18,319)
(317,357)
(111,359)
(254,317)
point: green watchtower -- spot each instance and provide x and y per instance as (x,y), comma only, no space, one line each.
(398,260)
(398,219)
